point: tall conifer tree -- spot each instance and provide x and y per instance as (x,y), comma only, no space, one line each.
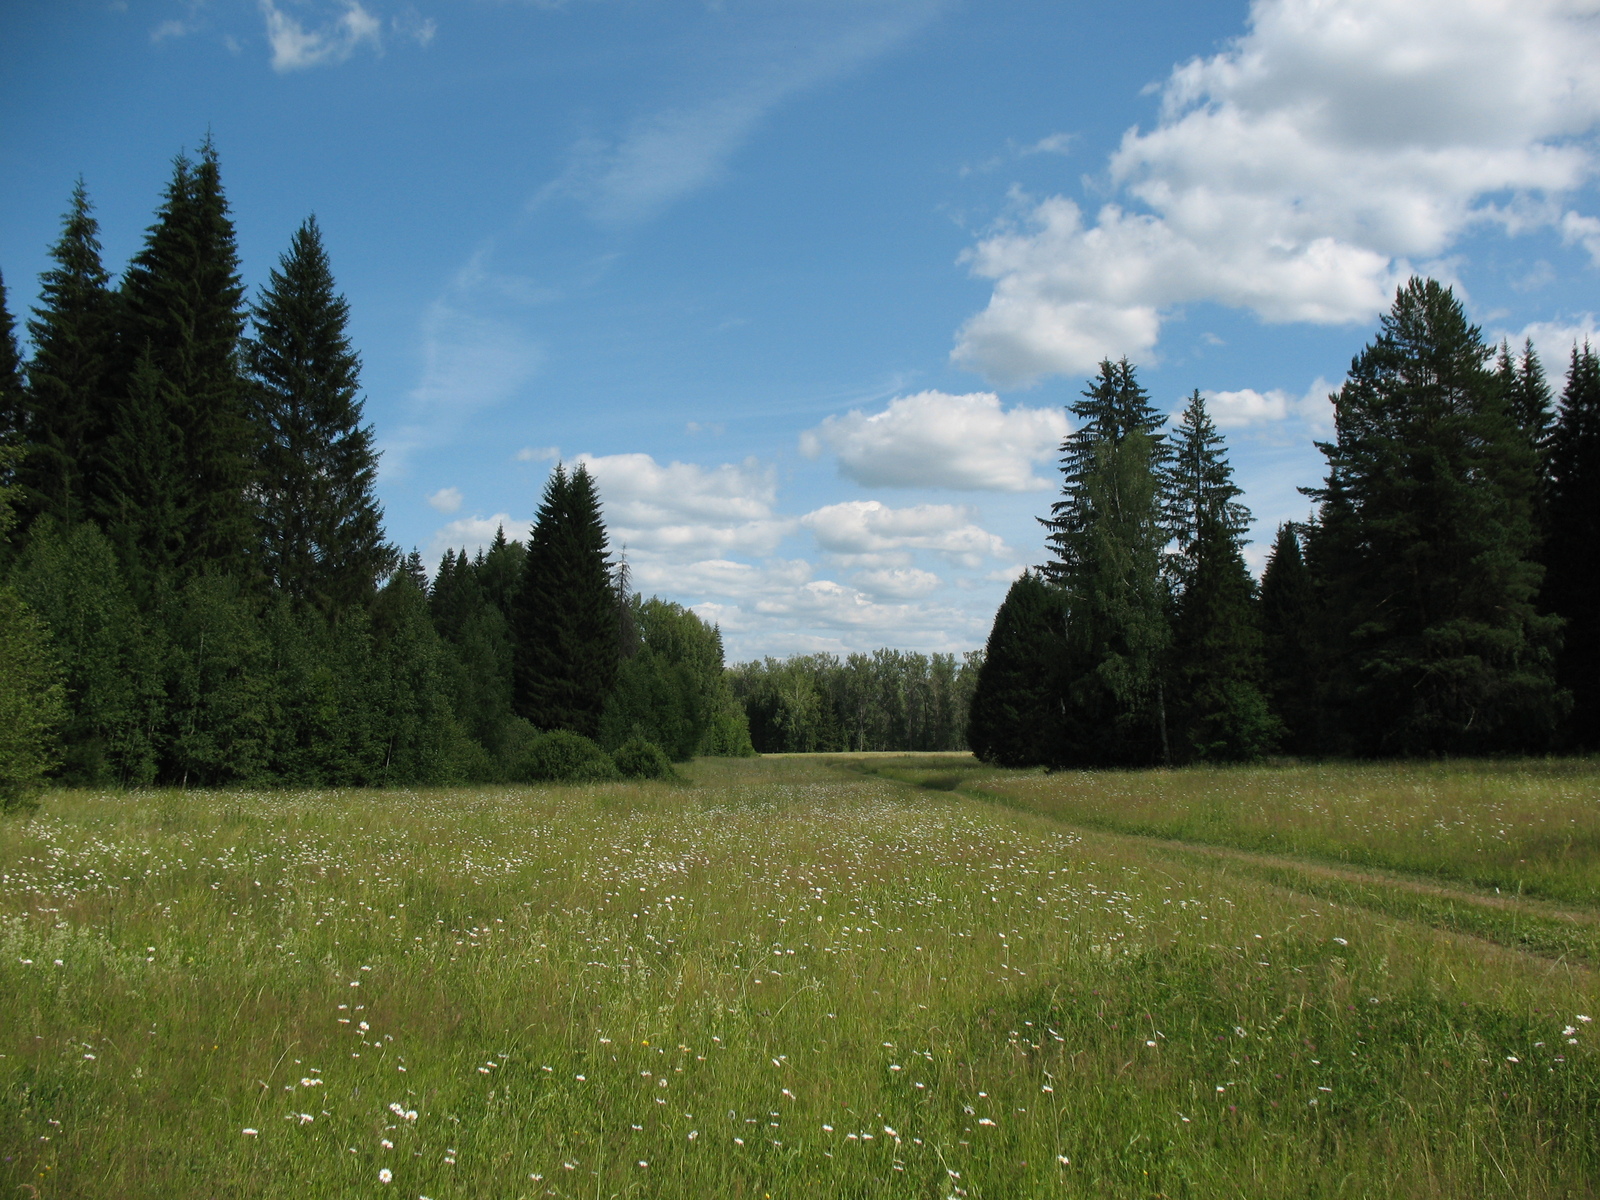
(321,525)
(1016,710)
(68,375)
(1200,488)
(1107,534)
(1571,550)
(565,619)
(1288,628)
(1423,542)
(183,308)
(1219,711)
(11,390)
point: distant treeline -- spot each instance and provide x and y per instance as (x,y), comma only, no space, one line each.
(1443,600)
(197,584)
(887,700)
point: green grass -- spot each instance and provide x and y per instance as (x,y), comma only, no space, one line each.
(1528,827)
(782,978)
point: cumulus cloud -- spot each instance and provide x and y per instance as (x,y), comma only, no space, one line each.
(897,583)
(446,500)
(934,439)
(781,609)
(1247,407)
(294,47)
(473,534)
(1553,342)
(868,532)
(685,511)
(1300,172)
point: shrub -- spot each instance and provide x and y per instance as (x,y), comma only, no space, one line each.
(639,759)
(564,757)
(32,704)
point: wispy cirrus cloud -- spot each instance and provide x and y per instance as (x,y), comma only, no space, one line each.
(681,145)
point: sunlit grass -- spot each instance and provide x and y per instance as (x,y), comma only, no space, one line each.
(1530,827)
(782,978)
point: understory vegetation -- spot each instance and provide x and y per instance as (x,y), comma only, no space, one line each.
(852,976)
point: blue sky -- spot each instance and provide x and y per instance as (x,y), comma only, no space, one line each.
(808,283)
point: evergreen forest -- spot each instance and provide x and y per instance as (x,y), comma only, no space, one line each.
(196,587)
(1439,602)
(195,583)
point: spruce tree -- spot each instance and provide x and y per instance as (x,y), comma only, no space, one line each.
(1422,547)
(144,500)
(1215,663)
(1571,550)
(1015,715)
(500,571)
(182,306)
(68,382)
(1526,391)
(321,525)
(1220,712)
(1287,605)
(1201,493)
(11,389)
(565,620)
(1107,533)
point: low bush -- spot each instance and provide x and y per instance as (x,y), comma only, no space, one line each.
(564,757)
(639,759)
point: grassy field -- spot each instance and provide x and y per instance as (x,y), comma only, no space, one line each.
(811,977)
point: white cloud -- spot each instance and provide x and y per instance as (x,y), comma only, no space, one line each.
(897,583)
(780,608)
(473,534)
(869,533)
(1553,342)
(539,454)
(446,500)
(412,24)
(295,48)
(173,28)
(1247,407)
(1299,172)
(933,439)
(687,512)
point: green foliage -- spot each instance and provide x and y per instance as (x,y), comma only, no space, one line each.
(423,740)
(561,756)
(1571,552)
(887,700)
(639,759)
(1215,661)
(32,704)
(1015,719)
(565,613)
(67,402)
(13,413)
(182,307)
(1287,606)
(1220,713)
(321,526)
(219,684)
(111,658)
(1200,495)
(1423,546)
(1106,537)
(672,690)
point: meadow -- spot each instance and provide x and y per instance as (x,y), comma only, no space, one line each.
(824,976)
